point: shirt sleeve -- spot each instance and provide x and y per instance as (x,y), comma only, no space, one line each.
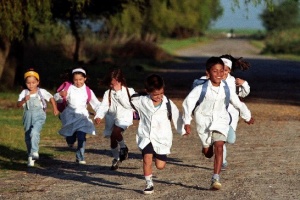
(177,119)
(122,97)
(244,111)
(94,102)
(103,107)
(244,90)
(46,95)
(22,95)
(189,104)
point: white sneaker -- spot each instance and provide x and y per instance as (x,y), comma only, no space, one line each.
(30,162)
(35,156)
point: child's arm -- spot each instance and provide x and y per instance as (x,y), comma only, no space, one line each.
(244,88)
(177,119)
(55,110)
(103,107)
(244,111)
(123,98)
(189,104)
(23,98)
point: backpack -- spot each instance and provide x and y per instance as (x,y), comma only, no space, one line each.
(65,86)
(136,114)
(204,83)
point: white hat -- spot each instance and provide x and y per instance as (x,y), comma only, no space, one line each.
(227,62)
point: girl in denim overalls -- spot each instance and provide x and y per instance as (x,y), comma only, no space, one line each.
(33,99)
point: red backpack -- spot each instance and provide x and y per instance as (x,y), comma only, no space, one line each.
(65,86)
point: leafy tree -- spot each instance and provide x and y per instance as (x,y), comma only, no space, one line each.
(19,21)
(284,15)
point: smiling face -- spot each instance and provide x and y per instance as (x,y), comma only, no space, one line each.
(32,83)
(216,74)
(157,96)
(227,71)
(78,80)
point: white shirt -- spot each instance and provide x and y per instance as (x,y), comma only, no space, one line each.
(75,117)
(155,126)
(46,95)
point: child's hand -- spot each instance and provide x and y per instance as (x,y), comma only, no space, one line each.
(97,120)
(27,97)
(55,112)
(239,82)
(251,121)
(63,93)
(187,129)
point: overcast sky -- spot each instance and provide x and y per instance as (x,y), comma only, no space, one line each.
(240,18)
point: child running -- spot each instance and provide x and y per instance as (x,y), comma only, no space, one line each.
(238,86)
(211,116)
(117,117)
(154,137)
(33,99)
(75,117)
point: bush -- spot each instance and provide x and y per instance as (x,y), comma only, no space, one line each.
(283,42)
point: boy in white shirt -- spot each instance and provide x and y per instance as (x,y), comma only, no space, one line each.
(211,115)
(154,137)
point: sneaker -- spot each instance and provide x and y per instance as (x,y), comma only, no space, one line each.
(30,162)
(123,153)
(115,164)
(224,167)
(35,156)
(81,162)
(149,189)
(215,184)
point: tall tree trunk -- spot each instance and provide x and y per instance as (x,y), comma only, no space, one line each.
(4,51)
(74,29)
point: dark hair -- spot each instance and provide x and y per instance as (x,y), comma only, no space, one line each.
(237,63)
(114,74)
(213,61)
(154,82)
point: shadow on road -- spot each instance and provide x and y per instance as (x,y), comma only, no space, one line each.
(271,80)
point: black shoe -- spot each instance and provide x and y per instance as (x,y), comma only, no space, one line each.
(115,164)
(149,189)
(123,153)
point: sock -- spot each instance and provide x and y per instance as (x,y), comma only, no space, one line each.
(216,177)
(115,153)
(149,179)
(122,144)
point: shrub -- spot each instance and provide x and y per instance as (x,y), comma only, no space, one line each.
(283,42)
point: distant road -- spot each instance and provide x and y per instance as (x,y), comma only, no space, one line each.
(270,79)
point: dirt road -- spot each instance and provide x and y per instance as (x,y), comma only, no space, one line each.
(264,162)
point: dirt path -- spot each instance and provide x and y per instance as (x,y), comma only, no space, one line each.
(264,162)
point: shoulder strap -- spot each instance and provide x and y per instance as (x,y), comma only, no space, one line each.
(169,109)
(129,97)
(203,92)
(89,93)
(227,93)
(42,99)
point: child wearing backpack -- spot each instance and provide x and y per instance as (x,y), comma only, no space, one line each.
(75,117)
(33,100)
(238,86)
(211,115)
(117,116)
(154,137)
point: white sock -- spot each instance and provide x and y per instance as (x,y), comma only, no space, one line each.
(149,179)
(115,153)
(122,144)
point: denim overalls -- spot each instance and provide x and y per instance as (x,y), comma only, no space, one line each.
(33,120)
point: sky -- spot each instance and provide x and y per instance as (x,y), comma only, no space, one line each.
(240,18)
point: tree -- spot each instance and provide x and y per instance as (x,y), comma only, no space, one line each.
(284,15)
(19,21)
